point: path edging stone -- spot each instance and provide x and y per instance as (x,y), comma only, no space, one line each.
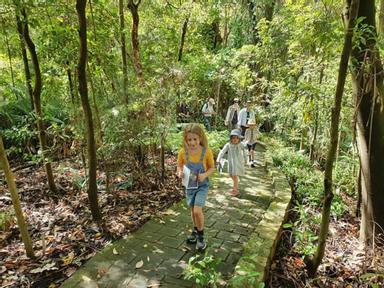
(253,267)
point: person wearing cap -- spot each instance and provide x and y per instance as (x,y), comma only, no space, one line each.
(251,135)
(231,118)
(208,112)
(237,157)
(245,115)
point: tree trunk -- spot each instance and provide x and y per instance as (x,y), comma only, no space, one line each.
(37,102)
(83,91)
(226,30)
(9,55)
(313,142)
(367,80)
(182,39)
(358,190)
(217,37)
(123,51)
(269,10)
(381,19)
(252,15)
(133,7)
(313,263)
(16,201)
(27,72)
(71,86)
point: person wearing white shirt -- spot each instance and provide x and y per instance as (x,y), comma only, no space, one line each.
(231,118)
(245,115)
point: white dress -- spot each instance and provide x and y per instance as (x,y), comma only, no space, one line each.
(237,157)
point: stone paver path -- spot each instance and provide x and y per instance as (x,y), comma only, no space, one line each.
(155,255)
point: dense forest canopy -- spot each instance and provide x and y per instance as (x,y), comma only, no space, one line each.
(108,93)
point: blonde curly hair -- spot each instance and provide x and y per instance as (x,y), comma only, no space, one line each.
(195,128)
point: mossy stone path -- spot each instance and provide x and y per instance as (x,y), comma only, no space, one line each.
(155,255)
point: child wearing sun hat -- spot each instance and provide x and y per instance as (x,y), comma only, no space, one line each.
(237,157)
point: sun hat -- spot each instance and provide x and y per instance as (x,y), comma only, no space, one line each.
(236,132)
(252,122)
(235,99)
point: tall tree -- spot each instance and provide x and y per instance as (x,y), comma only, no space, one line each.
(123,50)
(37,98)
(83,91)
(367,81)
(134,7)
(24,55)
(15,201)
(350,17)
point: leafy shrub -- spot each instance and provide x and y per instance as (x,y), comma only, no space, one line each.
(249,278)
(203,271)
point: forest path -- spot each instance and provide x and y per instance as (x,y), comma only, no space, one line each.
(154,256)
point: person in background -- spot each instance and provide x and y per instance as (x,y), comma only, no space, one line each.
(237,157)
(208,112)
(245,115)
(231,118)
(250,138)
(182,112)
(198,158)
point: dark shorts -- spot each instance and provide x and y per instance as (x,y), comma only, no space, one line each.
(197,197)
(243,128)
(251,146)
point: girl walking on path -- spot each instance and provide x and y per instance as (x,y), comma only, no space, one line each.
(251,135)
(237,157)
(196,159)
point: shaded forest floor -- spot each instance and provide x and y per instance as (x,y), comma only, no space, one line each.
(65,236)
(63,233)
(345,264)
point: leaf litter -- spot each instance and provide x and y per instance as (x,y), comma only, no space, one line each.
(63,233)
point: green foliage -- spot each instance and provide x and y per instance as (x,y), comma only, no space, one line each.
(7,219)
(308,184)
(203,271)
(247,279)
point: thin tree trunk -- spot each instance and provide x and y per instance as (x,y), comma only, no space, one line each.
(313,263)
(96,108)
(16,201)
(217,37)
(182,39)
(9,56)
(313,142)
(269,10)
(358,190)
(27,72)
(123,51)
(217,100)
(253,18)
(83,91)
(162,156)
(226,30)
(71,86)
(133,7)
(37,103)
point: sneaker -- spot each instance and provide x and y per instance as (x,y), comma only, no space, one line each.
(192,239)
(253,165)
(200,245)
